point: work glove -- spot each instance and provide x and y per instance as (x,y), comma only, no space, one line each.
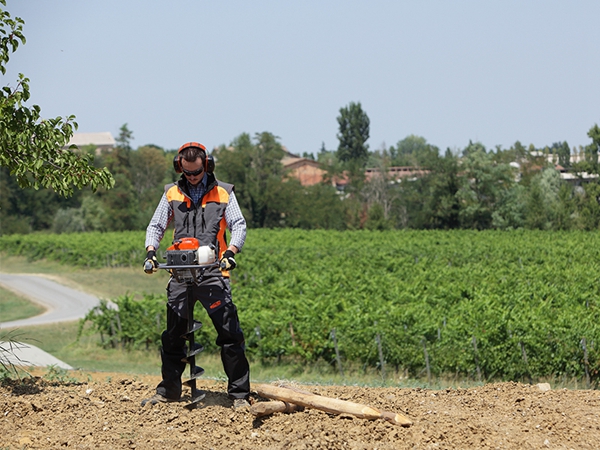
(227,261)
(151,263)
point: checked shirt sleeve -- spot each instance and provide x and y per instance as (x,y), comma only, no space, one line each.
(159,223)
(235,222)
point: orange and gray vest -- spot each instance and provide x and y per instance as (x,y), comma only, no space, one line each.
(206,220)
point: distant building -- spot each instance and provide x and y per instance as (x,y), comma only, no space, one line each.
(307,171)
(102,141)
(568,175)
(396,173)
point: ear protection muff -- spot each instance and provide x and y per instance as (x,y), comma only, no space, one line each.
(208,163)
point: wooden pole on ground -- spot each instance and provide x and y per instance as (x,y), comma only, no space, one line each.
(260,409)
(327,404)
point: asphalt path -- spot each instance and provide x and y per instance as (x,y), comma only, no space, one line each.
(62,304)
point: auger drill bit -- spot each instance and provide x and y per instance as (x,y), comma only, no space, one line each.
(179,255)
(193,349)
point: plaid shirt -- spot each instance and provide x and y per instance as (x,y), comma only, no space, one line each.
(164,214)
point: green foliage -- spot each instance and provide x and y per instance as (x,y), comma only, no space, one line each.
(125,137)
(483,184)
(254,167)
(135,324)
(148,169)
(592,150)
(353,135)
(500,305)
(543,200)
(32,148)
(58,375)
(563,153)
(413,151)
(511,210)
(587,215)
(267,196)
(432,201)
(25,210)
(92,249)
(131,324)
(508,291)
(377,220)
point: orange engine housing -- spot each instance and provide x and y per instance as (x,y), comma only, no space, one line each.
(186,243)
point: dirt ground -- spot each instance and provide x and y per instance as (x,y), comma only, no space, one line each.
(104,412)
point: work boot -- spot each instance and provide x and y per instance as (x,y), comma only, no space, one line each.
(157,398)
(240,404)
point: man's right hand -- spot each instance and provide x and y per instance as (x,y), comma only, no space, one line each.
(151,263)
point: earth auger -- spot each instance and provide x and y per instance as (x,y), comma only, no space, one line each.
(186,261)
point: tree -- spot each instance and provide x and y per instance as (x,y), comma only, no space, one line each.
(442,205)
(588,207)
(592,150)
(256,170)
(483,185)
(563,153)
(543,200)
(25,210)
(32,148)
(511,208)
(353,135)
(431,201)
(122,203)
(380,190)
(125,137)
(414,151)
(148,168)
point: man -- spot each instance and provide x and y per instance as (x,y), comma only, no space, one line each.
(201,207)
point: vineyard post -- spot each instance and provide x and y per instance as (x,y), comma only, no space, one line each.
(381,361)
(292,335)
(112,333)
(586,363)
(120,330)
(524,355)
(337,352)
(427,366)
(476,358)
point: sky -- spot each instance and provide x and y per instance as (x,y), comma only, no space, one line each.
(493,72)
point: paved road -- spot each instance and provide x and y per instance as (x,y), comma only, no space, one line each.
(62,303)
(22,354)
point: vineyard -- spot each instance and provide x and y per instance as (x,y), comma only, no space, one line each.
(490,305)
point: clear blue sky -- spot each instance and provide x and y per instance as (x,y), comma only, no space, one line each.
(450,71)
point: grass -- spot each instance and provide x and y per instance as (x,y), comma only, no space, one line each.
(15,307)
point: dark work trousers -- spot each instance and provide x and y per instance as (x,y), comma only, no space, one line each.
(215,296)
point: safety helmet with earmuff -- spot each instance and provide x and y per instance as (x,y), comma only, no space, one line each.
(208,161)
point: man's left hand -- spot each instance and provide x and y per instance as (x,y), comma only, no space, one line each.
(228,261)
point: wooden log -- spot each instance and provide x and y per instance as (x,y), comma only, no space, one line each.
(260,409)
(330,405)
(396,419)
